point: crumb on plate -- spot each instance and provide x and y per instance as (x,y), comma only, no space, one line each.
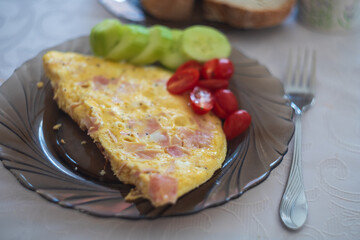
(57,126)
(39,84)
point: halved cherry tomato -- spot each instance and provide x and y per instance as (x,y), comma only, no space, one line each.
(236,123)
(189,64)
(208,69)
(217,68)
(225,103)
(183,81)
(213,84)
(224,69)
(202,100)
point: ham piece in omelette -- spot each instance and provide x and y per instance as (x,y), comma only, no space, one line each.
(152,139)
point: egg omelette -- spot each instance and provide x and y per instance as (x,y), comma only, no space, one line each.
(152,138)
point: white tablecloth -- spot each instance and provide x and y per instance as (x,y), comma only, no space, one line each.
(331,139)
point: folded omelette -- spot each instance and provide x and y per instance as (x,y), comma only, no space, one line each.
(152,138)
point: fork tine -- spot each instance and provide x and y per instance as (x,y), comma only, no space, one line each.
(313,72)
(304,81)
(289,70)
(297,70)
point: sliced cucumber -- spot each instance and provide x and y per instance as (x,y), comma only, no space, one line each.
(104,36)
(134,40)
(202,43)
(174,57)
(159,42)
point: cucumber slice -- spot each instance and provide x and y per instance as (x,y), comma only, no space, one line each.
(174,57)
(104,36)
(159,43)
(203,43)
(133,41)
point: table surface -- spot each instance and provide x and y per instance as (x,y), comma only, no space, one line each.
(331,139)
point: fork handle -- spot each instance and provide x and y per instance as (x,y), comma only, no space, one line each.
(294,201)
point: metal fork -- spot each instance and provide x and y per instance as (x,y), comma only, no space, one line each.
(300,90)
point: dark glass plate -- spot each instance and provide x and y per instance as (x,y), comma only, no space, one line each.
(68,174)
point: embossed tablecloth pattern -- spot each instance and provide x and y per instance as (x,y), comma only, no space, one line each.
(331,139)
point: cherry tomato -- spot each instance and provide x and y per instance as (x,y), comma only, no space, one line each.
(208,69)
(183,81)
(225,103)
(202,100)
(213,84)
(217,68)
(224,69)
(219,111)
(236,123)
(189,64)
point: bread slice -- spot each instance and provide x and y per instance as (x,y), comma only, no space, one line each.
(248,13)
(174,10)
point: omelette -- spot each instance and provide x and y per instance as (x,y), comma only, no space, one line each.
(152,139)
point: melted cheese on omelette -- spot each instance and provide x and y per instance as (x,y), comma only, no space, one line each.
(152,138)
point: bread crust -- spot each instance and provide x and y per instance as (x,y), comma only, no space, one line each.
(242,17)
(174,10)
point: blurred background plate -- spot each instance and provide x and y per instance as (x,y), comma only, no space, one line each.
(131,11)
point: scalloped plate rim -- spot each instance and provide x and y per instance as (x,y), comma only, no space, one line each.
(46,196)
